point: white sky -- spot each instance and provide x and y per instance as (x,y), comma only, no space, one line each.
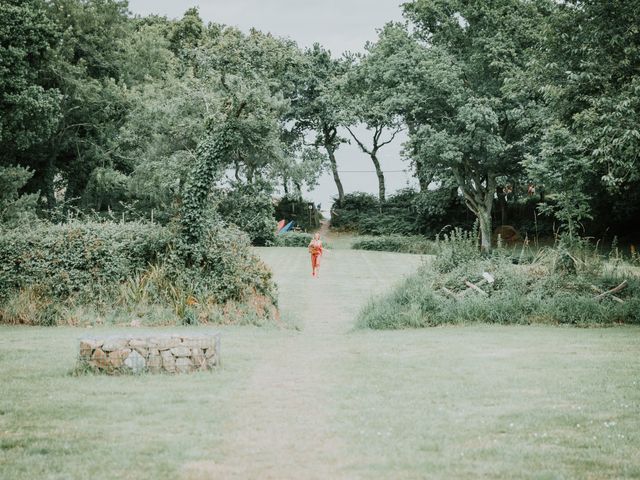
(338,25)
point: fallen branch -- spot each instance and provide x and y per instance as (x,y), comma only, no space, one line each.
(611,292)
(449,292)
(599,290)
(475,287)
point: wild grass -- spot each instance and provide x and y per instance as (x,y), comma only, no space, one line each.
(555,285)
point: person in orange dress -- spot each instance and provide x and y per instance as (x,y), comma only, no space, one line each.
(315,249)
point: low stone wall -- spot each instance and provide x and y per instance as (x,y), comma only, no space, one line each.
(154,353)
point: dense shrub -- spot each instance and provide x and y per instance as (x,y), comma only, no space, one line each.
(395,243)
(296,239)
(407,212)
(77,258)
(251,209)
(293,239)
(16,208)
(50,271)
(521,294)
(355,206)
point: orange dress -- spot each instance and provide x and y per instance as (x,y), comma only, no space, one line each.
(315,248)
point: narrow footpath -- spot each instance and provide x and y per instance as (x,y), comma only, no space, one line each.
(282,422)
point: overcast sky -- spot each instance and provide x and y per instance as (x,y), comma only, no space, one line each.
(339,25)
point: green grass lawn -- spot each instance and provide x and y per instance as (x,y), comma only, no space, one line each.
(327,401)
(494,402)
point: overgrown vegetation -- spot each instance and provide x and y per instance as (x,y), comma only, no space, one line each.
(564,284)
(69,273)
(251,209)
(407,212)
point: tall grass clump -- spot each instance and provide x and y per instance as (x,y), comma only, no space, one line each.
(558,285)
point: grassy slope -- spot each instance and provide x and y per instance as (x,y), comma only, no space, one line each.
(327,401)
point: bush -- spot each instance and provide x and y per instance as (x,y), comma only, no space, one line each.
(296,239)
(249,207)
(50,272)
(521,294)
(407,212)
(293,239)
(395,243)
(77,258)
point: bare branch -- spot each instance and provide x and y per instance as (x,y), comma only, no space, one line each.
(393,136)
(362,146)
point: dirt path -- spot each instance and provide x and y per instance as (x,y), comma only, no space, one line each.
(282,425)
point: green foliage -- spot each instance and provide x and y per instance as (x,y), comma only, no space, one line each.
(395,243)
(296,208)
(585,139)
(293,239)
(251,209)
(221,267)
(15,209)
(456,248)
(106,188)
(50,270)
(407,212)
(538,292)
(79,258)
(29,106)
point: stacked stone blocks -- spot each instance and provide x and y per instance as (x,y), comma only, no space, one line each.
(173,353)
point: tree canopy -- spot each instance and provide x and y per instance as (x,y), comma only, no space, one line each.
(103,111)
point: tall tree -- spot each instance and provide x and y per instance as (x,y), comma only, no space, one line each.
(585,143)
(313,106)
(29,103)
(366,100)
(477,136)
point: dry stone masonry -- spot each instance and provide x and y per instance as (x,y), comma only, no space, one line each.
(154,353)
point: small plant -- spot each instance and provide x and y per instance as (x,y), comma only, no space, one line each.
(456,248)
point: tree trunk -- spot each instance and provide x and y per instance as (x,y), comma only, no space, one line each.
(380,174)
(484,218)
(373,154)
(478,196)
(502,201)
(334,170)
(237,170)
(48,189)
